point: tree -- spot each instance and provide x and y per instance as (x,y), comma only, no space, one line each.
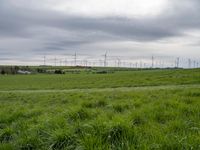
(3,72)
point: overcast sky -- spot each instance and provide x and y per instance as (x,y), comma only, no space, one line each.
(32,28)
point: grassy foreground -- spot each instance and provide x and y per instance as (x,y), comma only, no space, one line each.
(139,118)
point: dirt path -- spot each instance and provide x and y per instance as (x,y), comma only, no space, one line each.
(106,89)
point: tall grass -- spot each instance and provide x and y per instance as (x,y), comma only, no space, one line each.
(104,120)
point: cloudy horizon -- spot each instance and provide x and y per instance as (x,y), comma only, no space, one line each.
(123,28)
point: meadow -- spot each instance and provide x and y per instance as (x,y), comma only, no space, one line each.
(124,110)
(86,80)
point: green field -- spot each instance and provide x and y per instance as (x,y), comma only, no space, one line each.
(89,80)
(124,110)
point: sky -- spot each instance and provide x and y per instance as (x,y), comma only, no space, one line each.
(30,29)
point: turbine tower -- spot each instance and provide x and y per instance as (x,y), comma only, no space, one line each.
(105,59)
(75,55)
(152,62)
(177,62)
(44,60)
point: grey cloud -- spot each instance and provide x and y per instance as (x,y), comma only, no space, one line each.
(76,31)
(20,22)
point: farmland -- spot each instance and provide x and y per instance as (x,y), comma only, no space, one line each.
(136,109)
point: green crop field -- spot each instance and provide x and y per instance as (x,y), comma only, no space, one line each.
(124,110)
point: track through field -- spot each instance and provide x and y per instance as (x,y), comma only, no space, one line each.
(162,87)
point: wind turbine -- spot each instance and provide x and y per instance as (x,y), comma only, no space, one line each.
(105,59)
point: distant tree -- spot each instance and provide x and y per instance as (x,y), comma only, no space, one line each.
(39,70)
(102,72)
(59,72)
(16,68)
(12,70)
(3,72)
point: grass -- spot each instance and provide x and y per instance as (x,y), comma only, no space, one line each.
(84,80)
(151,118)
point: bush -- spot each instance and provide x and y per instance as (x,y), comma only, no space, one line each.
(3,72)
(39,70)
(59,72)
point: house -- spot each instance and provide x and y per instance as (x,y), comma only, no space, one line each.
(23,72)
